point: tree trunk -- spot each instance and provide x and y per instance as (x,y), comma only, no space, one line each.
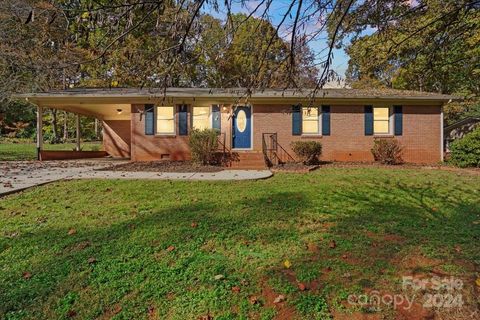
(55,138)
(96,129)
(65,126)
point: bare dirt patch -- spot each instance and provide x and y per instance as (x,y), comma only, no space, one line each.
(162,166)
(284,310)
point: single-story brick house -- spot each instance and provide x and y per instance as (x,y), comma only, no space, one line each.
(146,124)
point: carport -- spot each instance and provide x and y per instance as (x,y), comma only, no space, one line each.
(112,111)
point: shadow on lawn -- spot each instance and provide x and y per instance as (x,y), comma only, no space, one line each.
(132,257)
(423,216)
(146,236)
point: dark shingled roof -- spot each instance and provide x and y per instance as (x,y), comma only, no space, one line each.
(241,92)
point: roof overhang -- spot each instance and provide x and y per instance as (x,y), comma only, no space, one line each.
(105,103)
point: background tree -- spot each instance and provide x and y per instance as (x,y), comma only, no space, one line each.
(432,46)
(427,45)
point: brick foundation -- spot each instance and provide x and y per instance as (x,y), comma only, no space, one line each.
(70,155)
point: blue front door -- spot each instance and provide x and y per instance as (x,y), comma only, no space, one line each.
(242,128)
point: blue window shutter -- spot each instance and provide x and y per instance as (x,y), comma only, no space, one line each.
(326,120)
(398,117)
(183,120)
(368,120)
(216,117)
(149,119)
(296,120)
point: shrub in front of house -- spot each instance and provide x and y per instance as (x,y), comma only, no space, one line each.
(203,144)
(387,151)
(307,151)
(465,152)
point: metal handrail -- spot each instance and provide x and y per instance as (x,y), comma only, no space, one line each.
(271,150)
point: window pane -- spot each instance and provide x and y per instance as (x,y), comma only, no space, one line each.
(310,113)
(381,113)
(165,120)
(310,120)
(380,126)
(165,126)
(201,118)
(310,127)
(164,112)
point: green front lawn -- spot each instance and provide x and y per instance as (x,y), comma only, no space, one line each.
(21,149)
(186,250)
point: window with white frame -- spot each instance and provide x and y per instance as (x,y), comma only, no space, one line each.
(310,120)
(165,120)
(201,118)
(381,120)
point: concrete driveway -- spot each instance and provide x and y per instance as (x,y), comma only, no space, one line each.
(20,175)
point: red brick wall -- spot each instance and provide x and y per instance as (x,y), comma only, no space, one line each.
(153,147)
(116,138)
(347,141)
(69,155)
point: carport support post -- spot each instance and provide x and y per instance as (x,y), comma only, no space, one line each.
(39,131)
(77,123)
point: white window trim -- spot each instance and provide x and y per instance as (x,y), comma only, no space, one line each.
(174,133)
(210,117)
(391,122)
(320,114)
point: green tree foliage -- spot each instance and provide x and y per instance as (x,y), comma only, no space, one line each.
(431,45)
(254,56)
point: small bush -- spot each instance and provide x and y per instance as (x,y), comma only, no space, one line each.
(307,151)
(387,151)
(465,152)
(203,144)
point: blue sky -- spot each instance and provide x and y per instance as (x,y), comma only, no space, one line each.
(277,9)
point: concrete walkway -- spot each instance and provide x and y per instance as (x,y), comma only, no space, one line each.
(20,175)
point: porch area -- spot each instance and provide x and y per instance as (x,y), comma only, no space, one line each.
(108,119)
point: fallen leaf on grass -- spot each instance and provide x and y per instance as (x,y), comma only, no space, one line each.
(236,289)
(71,232)
(26,275)
(170,248)
(71,313)
(279,299)
(301,286)
(194,225)
(458,248)
(253,299)
(91,260)
(332,244)
(287,264)
(117,309)
(312,247)
(151,312)
(478,282)
(219,277)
